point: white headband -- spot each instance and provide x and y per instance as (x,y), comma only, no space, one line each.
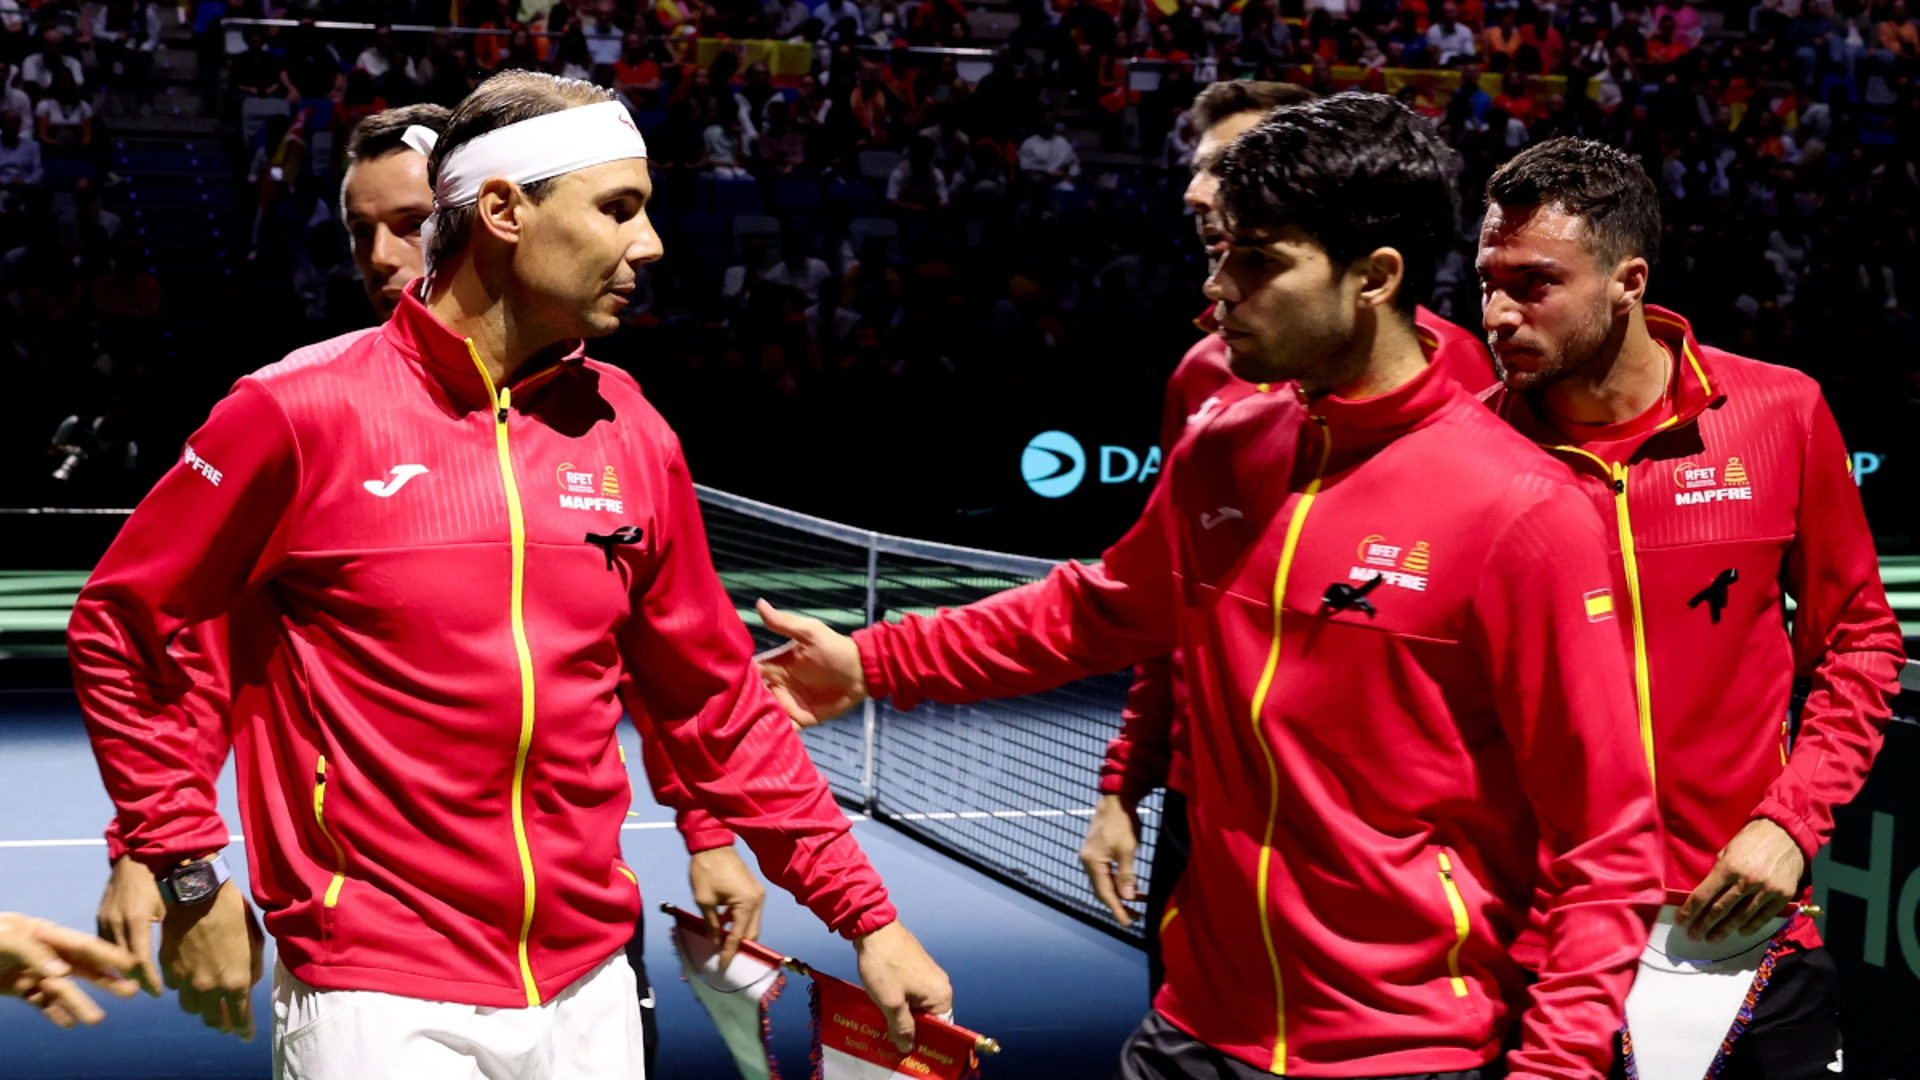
(537,149)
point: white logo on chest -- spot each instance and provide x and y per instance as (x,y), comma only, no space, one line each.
(401,474)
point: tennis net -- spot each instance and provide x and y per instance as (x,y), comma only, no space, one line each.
(1007,785)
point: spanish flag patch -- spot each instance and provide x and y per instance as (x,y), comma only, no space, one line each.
(1599,605)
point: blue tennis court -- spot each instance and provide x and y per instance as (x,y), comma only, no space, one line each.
(1059,995)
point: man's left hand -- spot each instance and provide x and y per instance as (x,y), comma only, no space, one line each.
(729,896)
(1757,874)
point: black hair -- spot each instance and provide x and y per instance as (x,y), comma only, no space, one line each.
(1223,99)
(1604,186)
(1356,172)
(380,134)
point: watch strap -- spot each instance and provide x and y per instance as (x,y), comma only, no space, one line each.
(221,875)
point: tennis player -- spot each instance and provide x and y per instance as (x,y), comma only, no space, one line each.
(385,200)
(473,541)
(1377,587)
(1151,748)
(1727,487)
(45,965)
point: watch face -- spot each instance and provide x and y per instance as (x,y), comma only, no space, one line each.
(193,884)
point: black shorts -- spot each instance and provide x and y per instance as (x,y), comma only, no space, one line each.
(1795,1031)
(637,959)
(1160,1051)
(1170,854)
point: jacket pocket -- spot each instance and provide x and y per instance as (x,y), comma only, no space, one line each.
(320,819)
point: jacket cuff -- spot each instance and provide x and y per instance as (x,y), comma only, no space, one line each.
(161,857)
(871,668)
(870,920)
(702,832)
(1810,840)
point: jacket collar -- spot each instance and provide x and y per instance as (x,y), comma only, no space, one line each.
(1371,421)
(450,360)
(1695,386)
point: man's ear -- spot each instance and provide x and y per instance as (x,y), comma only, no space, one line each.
(1383,275)
(499,210)
(1629,282)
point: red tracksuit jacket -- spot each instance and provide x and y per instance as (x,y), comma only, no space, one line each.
(455,583)
(1151,749)
(1368,786)
(1745,474)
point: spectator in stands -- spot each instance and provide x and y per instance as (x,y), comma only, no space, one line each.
(798,268)
(1048,157)
(64,120)
(871,107)
(785,18)
(779,151)
(127,39)
(1515,99)
(830,325)
(1686,21)
(917,188)
(1407,44)
(726,145)
(599,24)
(87,225)
(313,71)
(572,60)
(257,72)
(834,14)
(1665,47)
(756,91)
(11,95)
(1899,38)
(20,167)
(1449,39)
(1470,100)
(383,55)
(637,75)
(1503,37)
(1539,34)
(444,71)
(40,67)
(125,293)
(1811,36)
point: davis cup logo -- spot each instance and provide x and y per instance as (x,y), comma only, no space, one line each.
(1053,464)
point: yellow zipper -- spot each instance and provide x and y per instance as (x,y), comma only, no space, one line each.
(320,818)
(517,529)
(1642,679)
(1294,526)
(1460,925)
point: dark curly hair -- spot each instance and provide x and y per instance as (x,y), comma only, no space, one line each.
(1602,185)
(1356,172)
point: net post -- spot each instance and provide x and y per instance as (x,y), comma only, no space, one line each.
(871,711)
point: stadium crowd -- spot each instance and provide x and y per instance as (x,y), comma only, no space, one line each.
(859,229)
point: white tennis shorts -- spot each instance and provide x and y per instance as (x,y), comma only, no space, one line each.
(589,1031)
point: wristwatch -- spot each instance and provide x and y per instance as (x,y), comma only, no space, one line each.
(194,881)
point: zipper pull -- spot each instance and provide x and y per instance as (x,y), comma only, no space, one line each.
(506,400)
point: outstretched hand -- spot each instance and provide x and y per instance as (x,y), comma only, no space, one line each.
(45,964)
(816,675)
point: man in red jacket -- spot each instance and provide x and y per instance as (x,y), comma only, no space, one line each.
(1150,750)
(385,199)
(468,543)
(1726,488)
(1381,593)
